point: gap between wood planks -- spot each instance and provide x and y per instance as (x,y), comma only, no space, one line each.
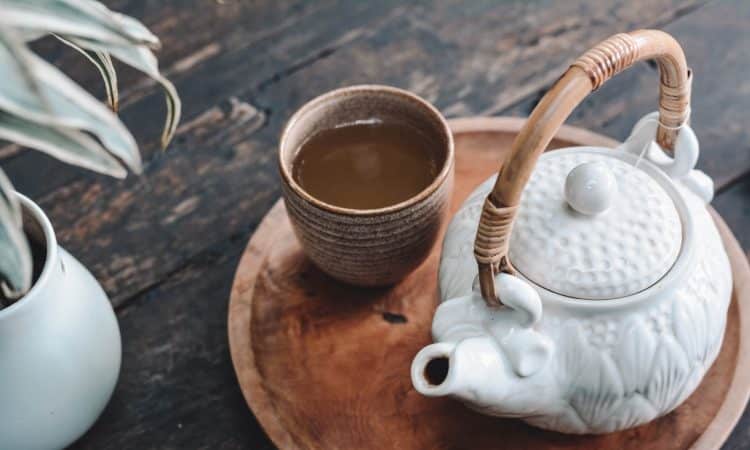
(541,88)
(537,90)
(734,181)
(232,247)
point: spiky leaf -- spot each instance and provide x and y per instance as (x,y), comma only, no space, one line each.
(80,18)
(15,255)
(60,103)
(42,108)
(144,60)
(103,63)
(67,145)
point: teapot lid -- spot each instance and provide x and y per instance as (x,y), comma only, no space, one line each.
(594,226)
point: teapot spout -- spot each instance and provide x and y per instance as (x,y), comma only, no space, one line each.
(477,371)
(463,369)
(431,370)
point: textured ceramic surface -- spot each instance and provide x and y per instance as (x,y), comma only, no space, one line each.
(377,246)
(59,351)
(615,253)
(591,188)
(582,366)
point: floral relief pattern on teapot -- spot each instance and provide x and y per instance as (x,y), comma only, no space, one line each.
(624,348)
(610,368)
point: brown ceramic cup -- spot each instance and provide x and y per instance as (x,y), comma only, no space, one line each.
(368,247)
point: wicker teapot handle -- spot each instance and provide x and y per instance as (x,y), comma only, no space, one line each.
(585,75)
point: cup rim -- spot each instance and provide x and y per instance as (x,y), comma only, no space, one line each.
(439,179)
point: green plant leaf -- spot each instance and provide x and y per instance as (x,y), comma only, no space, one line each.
(9,200)
(40,107)
(14,46)
(61,103)
(103,62)
(15,254)
(81,18)
(71,146)
(131,27)
(144,60)
(114,99)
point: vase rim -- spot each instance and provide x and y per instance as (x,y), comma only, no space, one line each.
(50,243)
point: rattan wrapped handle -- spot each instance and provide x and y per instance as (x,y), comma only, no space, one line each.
(585,75)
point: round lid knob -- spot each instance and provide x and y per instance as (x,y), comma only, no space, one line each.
(593,226)
(590,188)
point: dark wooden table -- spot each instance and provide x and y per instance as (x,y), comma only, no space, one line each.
(165,245)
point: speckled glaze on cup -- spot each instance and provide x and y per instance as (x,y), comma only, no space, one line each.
(367,247)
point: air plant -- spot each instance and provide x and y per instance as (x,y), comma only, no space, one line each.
(41,108)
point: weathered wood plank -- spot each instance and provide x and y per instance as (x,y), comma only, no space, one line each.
(207,138)
(177,388)
(716,40)
(211,51)
(192,33)
(740,437)
(734,206)
(437,51)
(221,176)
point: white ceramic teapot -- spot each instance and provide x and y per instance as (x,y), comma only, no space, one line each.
(600,295)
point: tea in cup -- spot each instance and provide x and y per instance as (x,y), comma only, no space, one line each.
(367,177)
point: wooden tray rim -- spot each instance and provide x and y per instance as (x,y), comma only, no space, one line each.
(717,431)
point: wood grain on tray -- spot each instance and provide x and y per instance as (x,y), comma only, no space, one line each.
(324,365)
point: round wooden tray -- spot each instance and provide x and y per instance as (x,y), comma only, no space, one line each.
(326,366)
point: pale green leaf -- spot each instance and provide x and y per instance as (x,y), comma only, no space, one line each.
(28,35)
(137,31)
(174,111)
(144,60)
(67,145)
(131,27)
(112,75)
(14,45)
(62,104)
(103,63)
(42,108)
(15,254)
(81,18)
(9,202)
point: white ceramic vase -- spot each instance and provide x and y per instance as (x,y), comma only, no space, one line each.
(59,350)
